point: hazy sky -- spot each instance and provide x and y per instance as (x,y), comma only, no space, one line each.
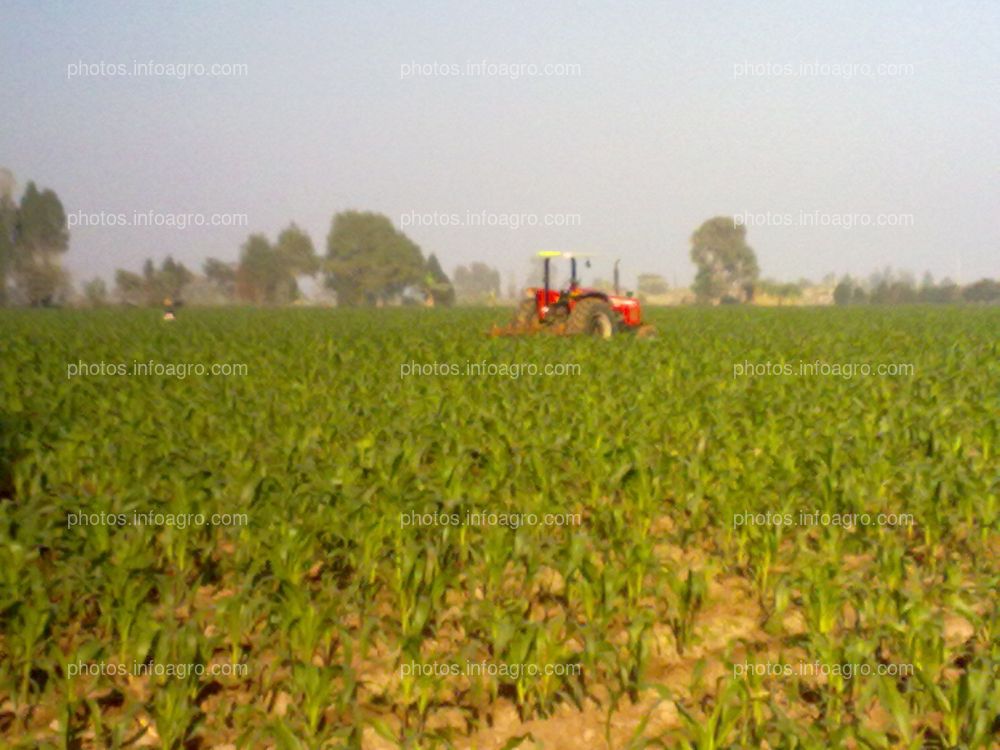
(659,128)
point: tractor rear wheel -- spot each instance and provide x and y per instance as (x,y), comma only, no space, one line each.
(557,315)
(592,316)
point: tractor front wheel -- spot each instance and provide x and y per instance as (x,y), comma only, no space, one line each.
(592,316)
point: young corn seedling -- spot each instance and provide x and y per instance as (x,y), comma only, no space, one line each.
(688,594)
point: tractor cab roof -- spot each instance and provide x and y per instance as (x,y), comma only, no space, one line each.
(563,254)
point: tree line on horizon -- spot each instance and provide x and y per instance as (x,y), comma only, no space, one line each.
(369,262)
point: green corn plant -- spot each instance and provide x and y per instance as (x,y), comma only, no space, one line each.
(26,642)
(688,594)
(822,600)
(175,712)
(714,730)
(965,706)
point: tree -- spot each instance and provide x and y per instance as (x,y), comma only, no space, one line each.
(437,286)
(42,222)
(130,287)
(652,284)
(40,236)
(368,260)
(296,251)
(296,257)
(8,225)
(221,275)
(41,281)
(984,290)
(477,283)
(167,282)
(889,288)
(95,292)
(267,274)
(172,278)
(259,270)
(946,292)
(727,266)
(843,292)
(849,292)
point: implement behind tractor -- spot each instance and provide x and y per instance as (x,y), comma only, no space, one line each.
(575,310)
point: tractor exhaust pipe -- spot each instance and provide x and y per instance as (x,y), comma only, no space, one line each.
(617,292)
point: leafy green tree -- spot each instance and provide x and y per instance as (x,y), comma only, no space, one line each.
(41,281)
(130,287)
(40,236)
(891,288)
(296,252)
(95,292)
(173,277)
(8,219)
(222,275)
(849,292)
(368,260)
(984,290)
(477,284)
(437,286)
(259,270)
(42,222)
(8,226)
(843,292)
(946,292)
(267,273)
(167,282)
(727,265)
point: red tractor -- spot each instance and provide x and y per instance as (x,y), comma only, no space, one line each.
(577,309)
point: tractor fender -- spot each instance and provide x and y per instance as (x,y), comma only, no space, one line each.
(592,295)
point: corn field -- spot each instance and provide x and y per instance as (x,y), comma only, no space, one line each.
(384,529)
